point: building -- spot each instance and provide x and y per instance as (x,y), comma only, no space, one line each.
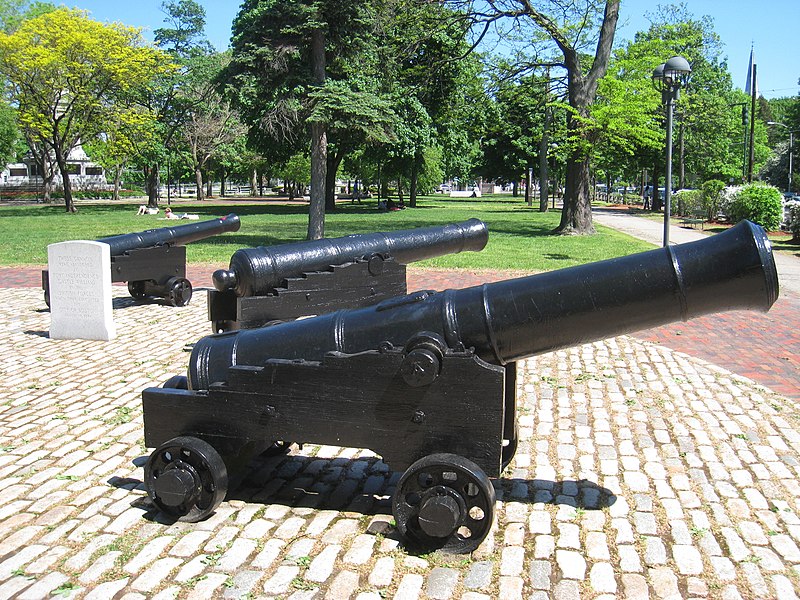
(27,176)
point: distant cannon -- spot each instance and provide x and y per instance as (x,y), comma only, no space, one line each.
(427,380)
(286,281)
(153,262)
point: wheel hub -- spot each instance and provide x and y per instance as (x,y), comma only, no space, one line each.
(439,515)
(176,487)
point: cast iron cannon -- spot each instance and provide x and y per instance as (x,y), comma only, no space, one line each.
(281,282)
(153,262)
(426,380)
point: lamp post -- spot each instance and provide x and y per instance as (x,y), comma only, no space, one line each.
(791,146)
(668,78)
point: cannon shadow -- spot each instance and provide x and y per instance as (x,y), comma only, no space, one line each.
(361,485)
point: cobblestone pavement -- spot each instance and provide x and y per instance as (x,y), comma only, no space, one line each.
(641,473)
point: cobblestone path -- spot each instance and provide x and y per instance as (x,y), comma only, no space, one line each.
(641,473)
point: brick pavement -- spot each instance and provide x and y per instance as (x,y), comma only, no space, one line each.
(642,473)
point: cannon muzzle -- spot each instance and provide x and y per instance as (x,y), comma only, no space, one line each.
(256,271)
(174,236)
(517,318)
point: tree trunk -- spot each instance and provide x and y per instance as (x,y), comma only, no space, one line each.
(334,160)
(152,186)
(529,185)
(48,174)
(544,176)
(253,182)
(209,188)
(515,188)
(656,206)
(61,160)
(117,181)
(414,178)
(319,146)
(198,180)
(576,216)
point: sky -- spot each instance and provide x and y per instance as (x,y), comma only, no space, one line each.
(770,26)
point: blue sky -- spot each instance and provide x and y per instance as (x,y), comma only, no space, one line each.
(770,24)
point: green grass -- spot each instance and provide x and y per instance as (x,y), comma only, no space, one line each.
(519,237)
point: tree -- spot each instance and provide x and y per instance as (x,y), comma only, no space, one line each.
(291,60)
(211,122)
(433,82)
(297,174)
(9,134)
(512,136)
(184,42)
(14,12)
(125,130)
(65,71)
(709,124)
(567,27)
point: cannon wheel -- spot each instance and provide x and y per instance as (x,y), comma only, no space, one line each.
(186,478)
(137,289)
(179,291)
(444,501)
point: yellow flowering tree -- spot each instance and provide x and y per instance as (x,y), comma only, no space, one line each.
(69,77)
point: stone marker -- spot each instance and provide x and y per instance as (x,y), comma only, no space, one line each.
(80,291)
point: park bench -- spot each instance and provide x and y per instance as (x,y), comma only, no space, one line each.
(697,217)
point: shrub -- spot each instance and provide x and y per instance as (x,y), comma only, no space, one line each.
(711,196)
(793,217)
(688,202)
(758,203)
(726,198)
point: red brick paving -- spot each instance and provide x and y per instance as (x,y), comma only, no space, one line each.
(761,347)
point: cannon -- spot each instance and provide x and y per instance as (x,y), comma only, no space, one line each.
(287,281)
(153,262)
(426,380)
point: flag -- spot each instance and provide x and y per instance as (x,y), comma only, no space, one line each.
(752,80)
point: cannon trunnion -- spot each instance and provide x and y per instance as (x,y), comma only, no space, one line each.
(153,262)
(426,380)
(287,281)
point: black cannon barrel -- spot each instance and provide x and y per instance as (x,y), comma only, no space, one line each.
(517,318)
(178,235)
(256,271)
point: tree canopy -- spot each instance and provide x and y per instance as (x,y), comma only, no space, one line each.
(65,73)
(400,95)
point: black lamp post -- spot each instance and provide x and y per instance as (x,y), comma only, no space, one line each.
(668,78)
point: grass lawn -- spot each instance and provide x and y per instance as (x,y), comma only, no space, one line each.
(519,237)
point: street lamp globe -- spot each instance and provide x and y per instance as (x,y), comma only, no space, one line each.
(677,70)
(658,77)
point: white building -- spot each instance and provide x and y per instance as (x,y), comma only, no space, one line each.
(26,175)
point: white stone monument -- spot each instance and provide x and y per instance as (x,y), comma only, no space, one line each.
(80,291)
